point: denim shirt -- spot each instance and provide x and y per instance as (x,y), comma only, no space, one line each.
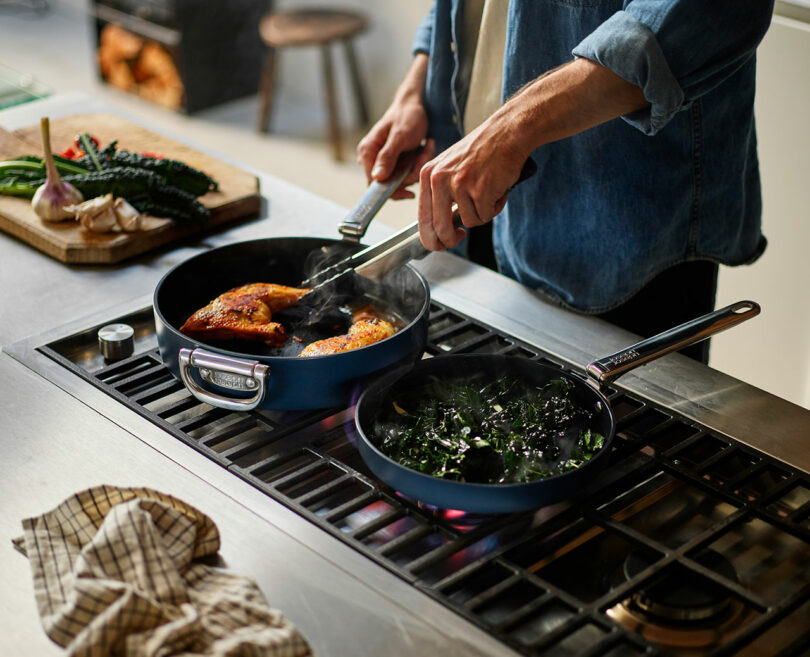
(612,207)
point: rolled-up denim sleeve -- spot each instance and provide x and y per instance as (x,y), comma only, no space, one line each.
(424,33)
(676,50)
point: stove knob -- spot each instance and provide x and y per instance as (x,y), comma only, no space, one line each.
(116,341)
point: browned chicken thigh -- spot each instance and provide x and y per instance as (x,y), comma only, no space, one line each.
(245,312)
(361,333)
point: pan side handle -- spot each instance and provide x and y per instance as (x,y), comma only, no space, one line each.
(604,370)
(226,372)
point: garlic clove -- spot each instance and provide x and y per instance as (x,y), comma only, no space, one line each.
(99,222)
(91,207)
(129,219)
(96,215)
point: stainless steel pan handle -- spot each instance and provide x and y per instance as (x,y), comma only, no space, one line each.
(356,223)
(604,370)
(226,372)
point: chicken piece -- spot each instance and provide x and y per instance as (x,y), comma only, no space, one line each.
(366,312)
(361,334)
(244,313)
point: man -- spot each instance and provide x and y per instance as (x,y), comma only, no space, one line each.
(627,218)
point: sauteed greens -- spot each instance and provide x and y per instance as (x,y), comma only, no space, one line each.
(497,432)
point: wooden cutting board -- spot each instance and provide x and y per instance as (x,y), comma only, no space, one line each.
(237,198)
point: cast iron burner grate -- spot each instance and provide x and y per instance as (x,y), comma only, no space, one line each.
(627,569)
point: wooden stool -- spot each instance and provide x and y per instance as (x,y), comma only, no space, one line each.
(313,27)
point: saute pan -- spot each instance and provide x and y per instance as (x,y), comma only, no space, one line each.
(510,498)
(244,375)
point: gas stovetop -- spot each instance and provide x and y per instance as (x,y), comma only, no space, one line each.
(689,543)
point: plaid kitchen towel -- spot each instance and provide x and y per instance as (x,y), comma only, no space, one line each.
(115,574)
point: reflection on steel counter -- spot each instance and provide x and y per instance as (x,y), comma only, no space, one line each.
(689,542)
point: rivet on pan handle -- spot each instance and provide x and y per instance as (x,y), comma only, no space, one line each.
(605,369)
(226,372)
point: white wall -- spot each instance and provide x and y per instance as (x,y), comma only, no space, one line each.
(772,351)
(384,54)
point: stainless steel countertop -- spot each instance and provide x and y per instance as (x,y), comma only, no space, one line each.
(54,443)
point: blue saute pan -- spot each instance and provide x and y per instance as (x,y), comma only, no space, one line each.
(246,375)
(511,498)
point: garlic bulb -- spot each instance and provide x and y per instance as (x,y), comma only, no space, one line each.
(51,198)
(129,219)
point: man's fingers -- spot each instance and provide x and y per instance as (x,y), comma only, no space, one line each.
(470,216)
(384,165)
(442,201)
(426,232)
(388,155)
(369,148)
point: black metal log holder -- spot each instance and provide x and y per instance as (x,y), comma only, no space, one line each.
(215,46)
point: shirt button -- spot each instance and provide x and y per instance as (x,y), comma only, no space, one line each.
(452,46)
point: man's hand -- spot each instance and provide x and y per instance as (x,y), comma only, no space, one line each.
(403,127)
(476,172)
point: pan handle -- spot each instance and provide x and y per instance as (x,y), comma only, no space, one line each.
(226,372)
(356,223)
(605,369)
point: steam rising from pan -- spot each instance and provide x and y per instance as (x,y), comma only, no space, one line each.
(329,311)
(355,291)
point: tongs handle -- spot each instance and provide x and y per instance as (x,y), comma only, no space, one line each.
(377,260)
(355,224)
(396,251)
(350,264)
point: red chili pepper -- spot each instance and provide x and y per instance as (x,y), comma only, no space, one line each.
(69,153)
(157,156)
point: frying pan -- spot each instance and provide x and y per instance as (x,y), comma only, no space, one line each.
(245,375)
(586,393)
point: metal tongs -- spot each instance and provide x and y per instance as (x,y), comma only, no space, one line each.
(377,260)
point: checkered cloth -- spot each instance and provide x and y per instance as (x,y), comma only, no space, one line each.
(114,574)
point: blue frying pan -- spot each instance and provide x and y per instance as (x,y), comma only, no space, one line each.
(511,498)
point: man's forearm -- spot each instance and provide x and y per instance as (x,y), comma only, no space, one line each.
(412,86)
(566,101)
